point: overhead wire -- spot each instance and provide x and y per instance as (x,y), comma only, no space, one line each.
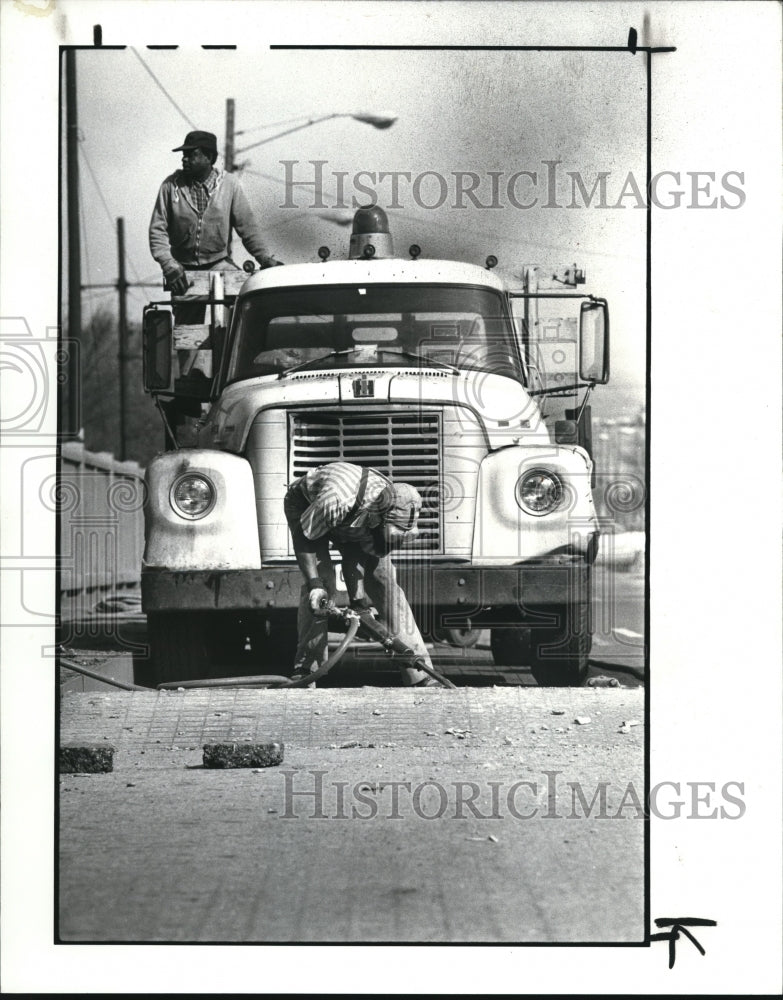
(111,217)
(163,89)
(87,163)
(443,225)
(92,172)
(90,359)
(83,222)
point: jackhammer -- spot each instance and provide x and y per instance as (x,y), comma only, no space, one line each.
(355,621)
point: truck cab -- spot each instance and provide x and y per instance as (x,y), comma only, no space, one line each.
(423,369)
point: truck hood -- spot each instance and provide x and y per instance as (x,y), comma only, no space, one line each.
(505,410)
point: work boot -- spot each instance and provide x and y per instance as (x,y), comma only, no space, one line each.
(300,675)
(427,683)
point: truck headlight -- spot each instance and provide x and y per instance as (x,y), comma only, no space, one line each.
(539,491)
(193,496)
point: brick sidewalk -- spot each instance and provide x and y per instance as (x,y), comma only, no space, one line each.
(323,716)
(319,850)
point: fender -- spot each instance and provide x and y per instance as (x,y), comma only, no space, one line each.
(506,534)
(225,537)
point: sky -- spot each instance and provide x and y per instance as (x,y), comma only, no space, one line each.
(480,112)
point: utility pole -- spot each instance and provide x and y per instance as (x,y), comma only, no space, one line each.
(122,334)
(229,152)
(123,356)
(71,423)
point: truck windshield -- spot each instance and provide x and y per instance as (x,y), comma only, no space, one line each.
(373,325)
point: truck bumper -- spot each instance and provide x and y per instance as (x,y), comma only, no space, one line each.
(465,590)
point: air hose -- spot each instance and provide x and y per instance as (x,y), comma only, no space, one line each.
(392,644)
(270,680)
(70,665)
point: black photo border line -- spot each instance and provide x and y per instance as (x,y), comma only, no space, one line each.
(630,49)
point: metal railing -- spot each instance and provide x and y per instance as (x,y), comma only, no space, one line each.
(100,501)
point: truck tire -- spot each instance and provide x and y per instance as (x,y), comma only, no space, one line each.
(461,637)
(189,646)
(556,655)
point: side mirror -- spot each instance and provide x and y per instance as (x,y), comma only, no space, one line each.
(157,344)
(594,341)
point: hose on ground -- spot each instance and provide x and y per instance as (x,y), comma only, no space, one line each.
(65,662)
(269,680)
(353,628)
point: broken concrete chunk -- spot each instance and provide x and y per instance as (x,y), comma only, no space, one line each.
(558,711)
(582,720)
(219,755)
(86,759)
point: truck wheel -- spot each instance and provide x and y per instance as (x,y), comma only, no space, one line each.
(464,638)
(556,655)
(189,646)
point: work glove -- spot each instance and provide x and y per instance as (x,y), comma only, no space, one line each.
(176,279)
(362,604)
(318,597)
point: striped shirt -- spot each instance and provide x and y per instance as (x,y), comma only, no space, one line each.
(332,490)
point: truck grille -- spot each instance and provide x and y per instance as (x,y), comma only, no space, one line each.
(406,447)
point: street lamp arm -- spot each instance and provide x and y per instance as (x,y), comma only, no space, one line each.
(288,131)
(368,118)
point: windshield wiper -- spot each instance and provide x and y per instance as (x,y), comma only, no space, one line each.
(417,357)
(315,361)
(378,350)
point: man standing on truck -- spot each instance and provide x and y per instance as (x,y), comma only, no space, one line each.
(196,209)
(366,516)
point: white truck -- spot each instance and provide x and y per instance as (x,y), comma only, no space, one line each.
(427,370)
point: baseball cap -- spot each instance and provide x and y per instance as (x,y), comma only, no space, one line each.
(404,506)
(198,140)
